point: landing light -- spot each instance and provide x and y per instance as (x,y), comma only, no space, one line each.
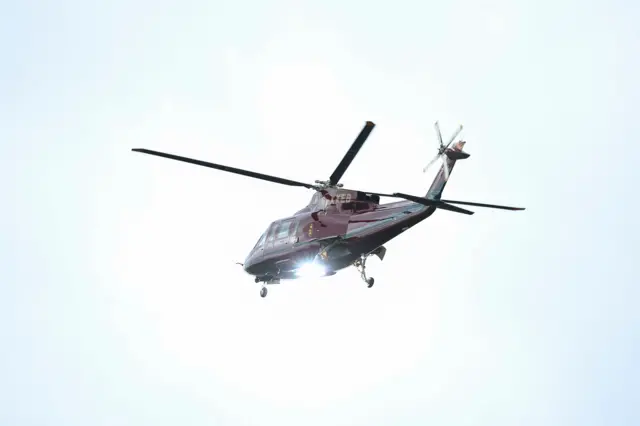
(311,270)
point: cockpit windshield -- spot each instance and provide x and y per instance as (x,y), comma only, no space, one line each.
(260,241)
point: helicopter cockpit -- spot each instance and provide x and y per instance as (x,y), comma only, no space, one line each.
(256,251)
(260,242)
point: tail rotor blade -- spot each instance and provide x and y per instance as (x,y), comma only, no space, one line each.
(431,163)
(455,135)
(437,126)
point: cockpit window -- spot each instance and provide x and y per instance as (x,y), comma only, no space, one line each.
(260,241)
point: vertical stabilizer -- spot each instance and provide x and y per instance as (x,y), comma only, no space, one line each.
(452,154)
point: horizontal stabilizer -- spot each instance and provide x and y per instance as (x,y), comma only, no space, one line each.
(445,206)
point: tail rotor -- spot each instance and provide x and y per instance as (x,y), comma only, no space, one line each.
(442,150)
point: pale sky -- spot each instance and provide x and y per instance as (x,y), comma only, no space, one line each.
(121,303)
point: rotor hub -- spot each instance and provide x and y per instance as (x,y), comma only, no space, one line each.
(326,184)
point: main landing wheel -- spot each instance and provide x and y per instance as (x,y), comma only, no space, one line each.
(360,264)
(263,292)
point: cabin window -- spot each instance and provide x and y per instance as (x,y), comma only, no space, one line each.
(283,229)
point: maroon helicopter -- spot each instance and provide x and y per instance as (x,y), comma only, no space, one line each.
(341,227)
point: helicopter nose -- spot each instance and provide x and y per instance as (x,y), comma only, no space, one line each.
(249,266)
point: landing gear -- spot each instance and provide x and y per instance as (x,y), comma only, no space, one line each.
(360,264)
(265,280)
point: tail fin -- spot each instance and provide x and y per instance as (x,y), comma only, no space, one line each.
(452,154)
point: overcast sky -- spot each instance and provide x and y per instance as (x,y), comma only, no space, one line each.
(121,303)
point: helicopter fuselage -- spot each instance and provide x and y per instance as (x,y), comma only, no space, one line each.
(336,229)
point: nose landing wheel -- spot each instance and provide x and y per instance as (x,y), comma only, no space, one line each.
(263,292)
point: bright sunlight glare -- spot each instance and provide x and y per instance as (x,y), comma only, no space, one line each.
(311,270)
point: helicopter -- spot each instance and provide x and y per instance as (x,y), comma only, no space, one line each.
(341,227)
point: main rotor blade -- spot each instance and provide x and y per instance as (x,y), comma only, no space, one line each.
(226,168)
(429,202)
(493,206)
(351,153)
(424,201)
(443,204)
